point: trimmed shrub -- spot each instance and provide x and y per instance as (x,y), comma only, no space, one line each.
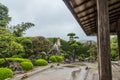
(2,61)
(5,73)
(41,62)
(59,58)
(90,57)
(16,56)
(18,59)
(56,59)
(53,59)
(26,65)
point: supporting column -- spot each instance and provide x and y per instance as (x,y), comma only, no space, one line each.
(104,41)
(118,36)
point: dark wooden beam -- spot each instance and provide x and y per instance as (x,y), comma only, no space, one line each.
(85,1)
(114,9)
(91,24)
(105,72)
(86,9)
(115,13)
(117,2)
(94,12)
(89,21)
(92,17)
(118,36)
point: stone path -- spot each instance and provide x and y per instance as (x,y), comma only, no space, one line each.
(73,73)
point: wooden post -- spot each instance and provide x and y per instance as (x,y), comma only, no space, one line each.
(118,36)
(104,40)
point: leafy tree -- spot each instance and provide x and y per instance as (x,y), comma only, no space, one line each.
(93,51)
(114,48)
(72,36)
(16,48)
(27,45)
(41,44)
(19,29)
(8,45)
(4,17)
(73,43)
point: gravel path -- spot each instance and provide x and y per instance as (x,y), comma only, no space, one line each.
(74,73)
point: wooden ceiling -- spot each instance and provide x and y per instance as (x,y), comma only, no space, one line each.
(85,12)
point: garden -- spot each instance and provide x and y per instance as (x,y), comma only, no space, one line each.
(19,54)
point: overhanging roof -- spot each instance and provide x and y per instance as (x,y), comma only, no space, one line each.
(85,12)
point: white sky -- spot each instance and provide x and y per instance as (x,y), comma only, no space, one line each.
(51,18)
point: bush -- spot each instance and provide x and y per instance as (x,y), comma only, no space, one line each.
(56,59)
(26,65)
(41,62)
(5,73)
(16,56)
(2,61)
(90,57)
(79,58)
(113,55)
(53,59)
(59,58)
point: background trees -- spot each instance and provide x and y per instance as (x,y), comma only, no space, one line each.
(4,17)
(40,44)
(19,29)
(114,48)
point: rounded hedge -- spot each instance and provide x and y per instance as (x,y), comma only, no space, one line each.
(41,62)
(26,65)
(59,58)
(53,59)
(5,73)
(56,59)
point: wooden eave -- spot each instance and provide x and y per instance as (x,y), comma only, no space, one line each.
(85,12)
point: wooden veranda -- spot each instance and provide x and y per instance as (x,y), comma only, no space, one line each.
(100,18)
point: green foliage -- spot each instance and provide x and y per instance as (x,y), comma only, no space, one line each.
(2,61)
(80,58)
(5,39)
(14,59)
(113,55)
(41,44)
(5,73)
(75,45)
(53,59)
(114,48)
(27,65)
(16,56)
(41,62)
(27,44)
(16,48)
(20,28)
(56,59)
(83,50)
(8,45)
(4,17)
(91,57)
(59,59)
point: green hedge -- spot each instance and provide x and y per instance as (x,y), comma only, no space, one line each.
(41,62)
(5,73)
(53,59)
(14,59)
(27,65)
(56,59)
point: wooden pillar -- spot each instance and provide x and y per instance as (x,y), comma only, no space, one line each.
(104,41)
(118,36)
